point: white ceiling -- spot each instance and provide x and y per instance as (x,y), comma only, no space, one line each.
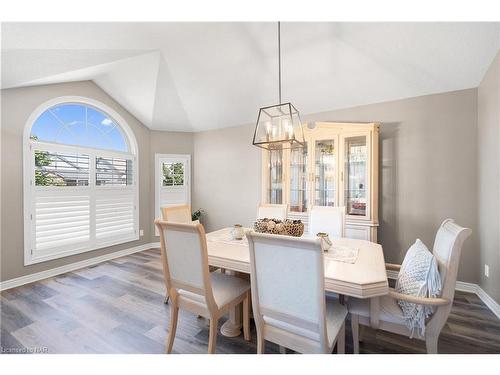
(198,76)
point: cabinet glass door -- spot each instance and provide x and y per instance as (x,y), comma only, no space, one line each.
(275,188)
(355,195)
(325,173)
(298,179)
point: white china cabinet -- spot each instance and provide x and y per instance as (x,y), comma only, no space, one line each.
(338,167)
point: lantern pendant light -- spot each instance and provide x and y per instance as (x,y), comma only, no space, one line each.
(278,126)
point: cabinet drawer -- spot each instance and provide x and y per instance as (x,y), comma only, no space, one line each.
(358,232)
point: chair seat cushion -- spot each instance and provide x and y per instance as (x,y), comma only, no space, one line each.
(225,288)
(335,317)
(389,309)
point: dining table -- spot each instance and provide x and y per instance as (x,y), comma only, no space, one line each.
(362,276)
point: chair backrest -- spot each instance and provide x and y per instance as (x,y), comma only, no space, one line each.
(327,219)
(447,250)
(287,277)
(177,214)
(185,258)
(272,211)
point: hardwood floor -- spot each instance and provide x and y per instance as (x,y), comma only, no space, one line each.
(117,307)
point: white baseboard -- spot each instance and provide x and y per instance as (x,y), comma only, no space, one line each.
(8,284)
(463,286)
(488,301)
(18,281)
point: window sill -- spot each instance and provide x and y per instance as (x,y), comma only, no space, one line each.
(76,249)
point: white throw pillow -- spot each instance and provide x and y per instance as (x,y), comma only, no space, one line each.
(419,277)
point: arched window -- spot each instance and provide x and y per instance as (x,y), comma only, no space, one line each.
(79,125)
(80,179)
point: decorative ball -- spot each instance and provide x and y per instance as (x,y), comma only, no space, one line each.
(270,225)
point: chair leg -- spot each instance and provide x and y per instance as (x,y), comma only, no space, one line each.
(212,339)
(165,301)
(341,340)
(246,318)
(431,343)
(174,315)
(261,344)
(355,333)
(362,330)
(282,349)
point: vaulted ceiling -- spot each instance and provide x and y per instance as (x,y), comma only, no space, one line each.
(198,76)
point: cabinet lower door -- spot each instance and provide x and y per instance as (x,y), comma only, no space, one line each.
(361,232)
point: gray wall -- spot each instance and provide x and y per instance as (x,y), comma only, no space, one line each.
(17,105)
(489,178)
(428,173)
(226,176)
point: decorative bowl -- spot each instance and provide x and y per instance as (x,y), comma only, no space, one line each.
(286,227)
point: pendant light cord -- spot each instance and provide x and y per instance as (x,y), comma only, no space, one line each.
(279,60)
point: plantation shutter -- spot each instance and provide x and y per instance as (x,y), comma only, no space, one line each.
(115,212)
(81,200)
(61,220)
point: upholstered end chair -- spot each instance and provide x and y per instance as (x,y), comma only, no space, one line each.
(384,312)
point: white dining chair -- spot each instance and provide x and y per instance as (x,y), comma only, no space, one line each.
(177,214)
(191,286)
(272,211)
(288,295)
(327,219)
(447,249)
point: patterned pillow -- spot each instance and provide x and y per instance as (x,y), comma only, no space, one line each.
(419,277)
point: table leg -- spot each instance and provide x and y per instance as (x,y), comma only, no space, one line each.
(374,312)
(232,327)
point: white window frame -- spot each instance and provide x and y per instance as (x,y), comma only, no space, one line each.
(159,180)
(29,147)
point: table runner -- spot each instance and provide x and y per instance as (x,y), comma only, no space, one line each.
(225,236)
(338,253)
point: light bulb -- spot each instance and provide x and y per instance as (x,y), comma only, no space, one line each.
(268,127)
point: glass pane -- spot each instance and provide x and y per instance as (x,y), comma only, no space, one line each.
(275,177)
(110,136)
(45,128)
(298,180)
(69,114)
(173,174)
(61,169)
(355,175)
(325,172)
(113,171)
(79,125)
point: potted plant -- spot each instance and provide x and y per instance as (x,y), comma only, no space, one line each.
(197,215)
